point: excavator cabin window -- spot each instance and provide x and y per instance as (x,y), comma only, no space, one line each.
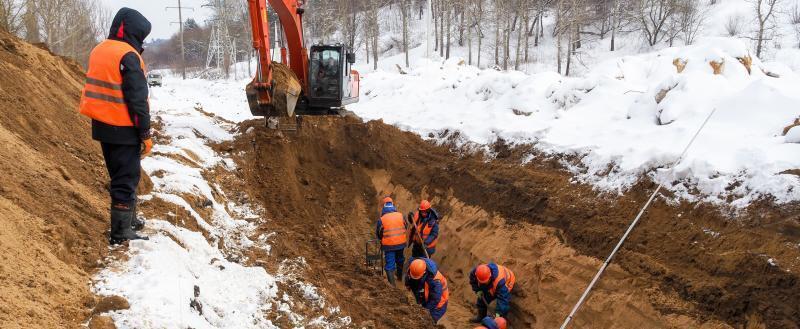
(325,73)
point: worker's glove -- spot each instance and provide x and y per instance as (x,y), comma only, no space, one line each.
(497,315)
(480,295)
(147,146)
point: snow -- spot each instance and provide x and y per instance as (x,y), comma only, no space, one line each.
(159,277)
(609,118)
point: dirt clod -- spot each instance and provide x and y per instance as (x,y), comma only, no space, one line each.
(102,322)
(111,303)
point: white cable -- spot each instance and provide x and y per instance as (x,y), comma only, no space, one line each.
(630,228)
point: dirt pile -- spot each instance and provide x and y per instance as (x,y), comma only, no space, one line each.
(685,266)
(52,195)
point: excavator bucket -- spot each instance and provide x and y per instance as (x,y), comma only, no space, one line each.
(286,91)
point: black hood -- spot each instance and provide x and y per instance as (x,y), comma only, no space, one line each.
(130,26)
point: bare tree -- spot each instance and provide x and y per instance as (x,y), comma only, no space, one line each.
(765,12)
(691,18)
(405,11)
(10,15)
(654,19)
(794,18)
(733,26)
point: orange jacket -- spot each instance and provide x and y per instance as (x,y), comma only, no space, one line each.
(394,231)
(102,98)
(503,273)
(427,229)
(445,292)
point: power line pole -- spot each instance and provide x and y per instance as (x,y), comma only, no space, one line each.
(180,24)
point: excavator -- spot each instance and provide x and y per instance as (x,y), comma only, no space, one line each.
(319,82)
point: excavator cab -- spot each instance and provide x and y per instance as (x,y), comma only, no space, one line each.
(332,83)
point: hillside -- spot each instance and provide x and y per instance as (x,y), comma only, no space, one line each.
(52,191)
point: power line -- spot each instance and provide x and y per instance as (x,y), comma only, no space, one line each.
(180,23)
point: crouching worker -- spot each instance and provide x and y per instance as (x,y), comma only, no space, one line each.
(429,287)
(493,323)
(391,230)
(491,282)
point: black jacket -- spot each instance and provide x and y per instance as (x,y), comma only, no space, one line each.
(129,26)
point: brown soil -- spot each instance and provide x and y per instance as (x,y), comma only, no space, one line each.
(52,191)
(686,265)
(287,86)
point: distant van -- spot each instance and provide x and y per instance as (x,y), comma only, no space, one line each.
(154,79)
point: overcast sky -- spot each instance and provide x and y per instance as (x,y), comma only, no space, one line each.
(161,18)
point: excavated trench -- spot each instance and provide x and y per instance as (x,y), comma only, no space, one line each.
(686,265)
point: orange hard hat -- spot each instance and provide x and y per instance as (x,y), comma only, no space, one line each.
(424,205)
(387,200)
(483,273)
(417,269)
(501,322)
(480,327)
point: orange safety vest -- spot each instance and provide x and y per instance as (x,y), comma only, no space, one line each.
(445,292)
(503,273)
(102,97)
(394,230)
(424,231)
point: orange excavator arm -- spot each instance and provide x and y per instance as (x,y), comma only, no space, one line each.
(290,13)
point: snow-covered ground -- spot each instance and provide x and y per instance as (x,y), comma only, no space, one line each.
(610,119)
(162,277)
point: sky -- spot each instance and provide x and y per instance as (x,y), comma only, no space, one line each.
(160,17)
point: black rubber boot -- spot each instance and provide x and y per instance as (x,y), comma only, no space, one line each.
(390,277)
(136,224)
(121,230)
(479,317)
(399,274)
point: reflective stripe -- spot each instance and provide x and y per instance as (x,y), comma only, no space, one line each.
(104,84)
(91,94)
(394,230)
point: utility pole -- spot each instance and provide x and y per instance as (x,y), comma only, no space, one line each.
(180,24)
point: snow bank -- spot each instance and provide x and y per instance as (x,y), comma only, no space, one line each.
(626,117)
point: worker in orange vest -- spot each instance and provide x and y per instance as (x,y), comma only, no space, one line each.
(425,221)
(391,230)
(115,97)
(429,286)
(490,282)
(493,323)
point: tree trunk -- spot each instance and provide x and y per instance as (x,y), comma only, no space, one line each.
(469,37)
(527,38)
(497,41)
(520,32)
(404,13)
(449,20)
(461,26)
(436,21)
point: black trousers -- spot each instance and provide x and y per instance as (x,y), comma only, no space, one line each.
(124,167)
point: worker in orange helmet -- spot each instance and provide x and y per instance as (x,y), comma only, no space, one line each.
(429,286)
(493,323)
(491,282)
(115,97)
(391,230)
(425,221)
